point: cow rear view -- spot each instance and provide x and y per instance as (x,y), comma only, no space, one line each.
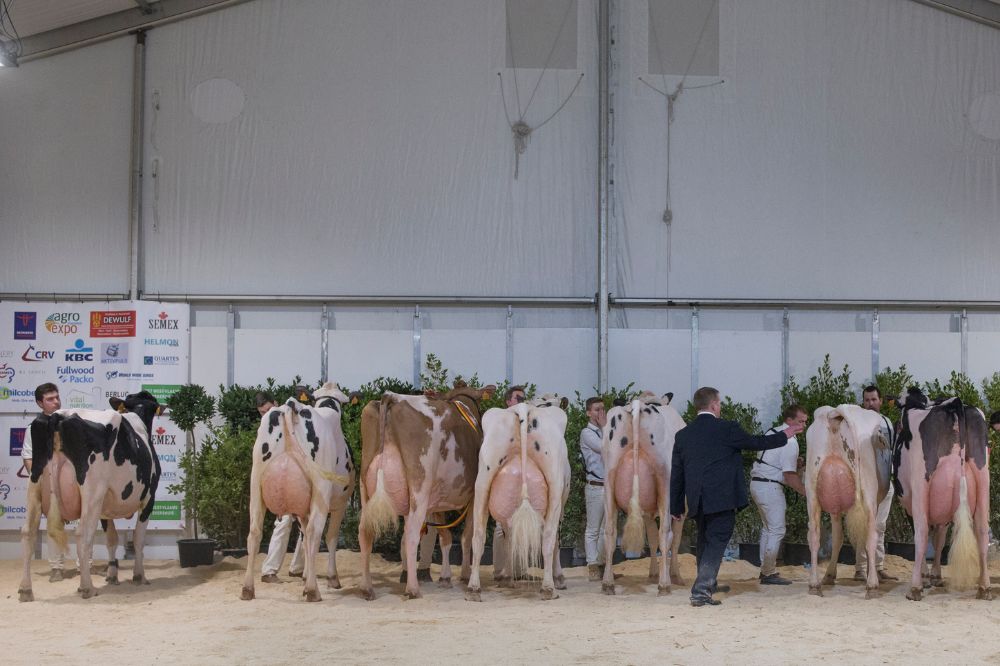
(842,479)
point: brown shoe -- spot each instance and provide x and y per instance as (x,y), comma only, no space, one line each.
(269,578)
(884,576)
(860,575)
(594,572)
(295,574)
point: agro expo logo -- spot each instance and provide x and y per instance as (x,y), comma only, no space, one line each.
(63,323)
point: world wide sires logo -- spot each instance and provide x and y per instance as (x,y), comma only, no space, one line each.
(24,325)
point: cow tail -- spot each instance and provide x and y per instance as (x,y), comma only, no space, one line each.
(857,519)
(378,515)
(525,524)
(964,557)
(634,531)
(54,521)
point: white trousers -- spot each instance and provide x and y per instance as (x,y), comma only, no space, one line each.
(770,500)
(881,518)
(279,545)
(593,535)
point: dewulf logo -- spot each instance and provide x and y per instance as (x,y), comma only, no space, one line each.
(163,323)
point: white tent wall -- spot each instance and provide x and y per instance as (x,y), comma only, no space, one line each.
(64,172)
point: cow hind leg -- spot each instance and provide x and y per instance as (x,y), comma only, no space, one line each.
(837,525)
(312,532)
(652,538)
(257,513)
(445,540)
(111,538)
(411,534)
(982,527)
(466,542)
(29,533)
(365,542)
(940,538)
(550,532)
(676,534)
(332,536)
(610,525)
(812,506)
(919,548)
(139,540)
(89,516)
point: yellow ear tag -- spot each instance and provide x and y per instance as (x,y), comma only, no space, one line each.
(487,395)
(303,397)
(355,400)
(121,408)
(159,409)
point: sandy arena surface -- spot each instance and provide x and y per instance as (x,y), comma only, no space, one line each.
(195,616)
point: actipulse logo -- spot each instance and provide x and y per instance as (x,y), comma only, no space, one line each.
(162,322)
(33,355)
(7,373)
(63,323)
(112,324)
(24,325)
(114,353)
(80,353)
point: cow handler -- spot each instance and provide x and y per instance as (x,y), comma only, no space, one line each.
(591,438)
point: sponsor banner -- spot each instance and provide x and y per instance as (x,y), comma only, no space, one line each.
(93,352)
(112,324)
(166,510)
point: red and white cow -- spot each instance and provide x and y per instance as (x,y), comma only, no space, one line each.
(638,447)
(302,466)
(523,482)
(89,464)
(844,479)
(942,467)
(419,456)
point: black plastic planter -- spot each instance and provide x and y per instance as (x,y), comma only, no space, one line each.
(195,552)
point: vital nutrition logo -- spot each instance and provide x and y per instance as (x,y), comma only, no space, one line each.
(16,440)
(7,373)
(162,323)
(24,325)
(112,324)
(63,323)
(114,353)
(80,353)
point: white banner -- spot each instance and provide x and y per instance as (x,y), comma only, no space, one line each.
(92,352)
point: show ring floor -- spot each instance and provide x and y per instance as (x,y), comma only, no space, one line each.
(195,616)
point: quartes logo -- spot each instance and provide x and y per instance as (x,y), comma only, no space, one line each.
(158,359)
(112,324)
(32,355)
(113,353)
(162,342)
(16,440)
(161,438)
(162,322)
(80,353)
(7,373)
(24,325)
(63,323)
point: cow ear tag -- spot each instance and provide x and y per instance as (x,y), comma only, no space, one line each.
(303,397)
(121,408)
(354,400)
(159,409)
(487,395)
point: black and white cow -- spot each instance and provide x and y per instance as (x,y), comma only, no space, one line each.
(89,464)
(302,466)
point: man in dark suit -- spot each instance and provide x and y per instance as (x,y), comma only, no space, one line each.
(707,472)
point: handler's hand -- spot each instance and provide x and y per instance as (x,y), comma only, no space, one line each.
(677,517)
(792,430)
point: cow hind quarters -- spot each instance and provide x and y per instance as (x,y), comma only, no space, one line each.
(964,557)
(525,537)
(379,515)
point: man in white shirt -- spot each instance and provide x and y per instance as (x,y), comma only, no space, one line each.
(591,438)
(771,472)
(871,398)
(47,399)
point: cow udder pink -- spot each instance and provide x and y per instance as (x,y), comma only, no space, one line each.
(647,483)
(505,492)
(835,485)
(285,488)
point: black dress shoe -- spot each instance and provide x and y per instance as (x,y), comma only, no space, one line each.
(697,603)
(774,579)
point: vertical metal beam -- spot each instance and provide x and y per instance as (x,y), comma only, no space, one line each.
(231,345)
(324,344)
(875,328)
(417,332)
(784,348)
(965,341)
(603,126)
(510,345)
(135,163)
(694,350)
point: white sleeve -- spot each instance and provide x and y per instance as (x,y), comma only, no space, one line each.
(790,456)
(26,444)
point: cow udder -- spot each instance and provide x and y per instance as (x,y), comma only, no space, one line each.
(285,488)
(505,492)
(835,485)
(647,483)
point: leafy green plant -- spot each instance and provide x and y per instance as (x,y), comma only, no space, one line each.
(892,384)
(237,407)
(958,384)
(823,388)
(189,406)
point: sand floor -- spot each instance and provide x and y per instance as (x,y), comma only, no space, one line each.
(195,616)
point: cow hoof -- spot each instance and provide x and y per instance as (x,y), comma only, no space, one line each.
(651,577)
(139,579)
(25,595)
(247,594)
(560,582)
(662,590)
(937,581)
(412,594)
(87,593)
(369,594)
(505,581)
(295,574)
(816,591)
(444,583)
(112,580)
(608,589)
(675,579)
(56,575)
(402,576)
(424,576)
(312,595)
(333,583)
(548,594)
(829,580)
(473,595)
(985,593)
(915,594)
(871,593)
(464,580)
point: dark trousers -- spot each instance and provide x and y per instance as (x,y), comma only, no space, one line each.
(714,532)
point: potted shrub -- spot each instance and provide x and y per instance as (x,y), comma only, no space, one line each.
(188,407)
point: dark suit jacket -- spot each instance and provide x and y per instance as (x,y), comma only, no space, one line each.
(707,468)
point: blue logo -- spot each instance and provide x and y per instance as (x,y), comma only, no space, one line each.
(7,373)
(80,352)
(24,325)
(16,440)
(147,360)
